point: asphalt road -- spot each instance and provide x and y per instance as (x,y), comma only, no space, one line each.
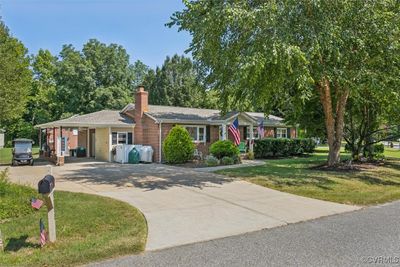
(368,237)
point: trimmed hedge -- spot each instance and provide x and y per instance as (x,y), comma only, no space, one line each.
(273,147)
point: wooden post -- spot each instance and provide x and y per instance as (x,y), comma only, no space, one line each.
(50,216)
(49,200)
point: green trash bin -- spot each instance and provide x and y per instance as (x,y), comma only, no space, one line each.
(134,156)
(81,152)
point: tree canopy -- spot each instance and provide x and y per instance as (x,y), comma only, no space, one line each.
(272,51)
(15,77)
(99,77)
(177,83)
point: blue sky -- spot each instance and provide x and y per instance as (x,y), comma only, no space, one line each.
(138,25)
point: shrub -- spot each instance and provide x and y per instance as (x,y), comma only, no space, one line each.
(211,161)
(227,161)
(308,145)
(224,148)
(178,146)
(273,147)
(236,159)
(376,151)
(250,155)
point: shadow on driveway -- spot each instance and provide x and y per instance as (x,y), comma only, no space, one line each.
(144,176)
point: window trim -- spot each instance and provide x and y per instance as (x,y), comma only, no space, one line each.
(198,132)
(279,135)
(256,134)
(126,139)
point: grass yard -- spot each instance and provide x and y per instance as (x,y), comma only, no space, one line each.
(89,228)
(392,152)
(6,154)
(371,185)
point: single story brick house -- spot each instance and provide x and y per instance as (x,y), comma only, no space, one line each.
(145,124)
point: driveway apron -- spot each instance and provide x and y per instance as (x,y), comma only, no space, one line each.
(183,205)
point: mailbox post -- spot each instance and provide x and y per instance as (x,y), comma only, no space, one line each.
(46,188)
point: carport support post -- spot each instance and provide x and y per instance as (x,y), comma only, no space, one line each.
(88,143)
(109,144)
(251,138)
(40,140)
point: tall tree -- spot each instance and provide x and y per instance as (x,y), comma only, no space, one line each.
(43,104)
(259,49)
(15,77)
(140,71)
(176,83)
(97,78)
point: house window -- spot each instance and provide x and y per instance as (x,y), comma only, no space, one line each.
(281,133)
(121,138)
(197,133)
(255,133)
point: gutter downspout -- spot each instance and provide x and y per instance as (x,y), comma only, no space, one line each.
(160,145)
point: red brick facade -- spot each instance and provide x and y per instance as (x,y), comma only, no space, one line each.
(53,133)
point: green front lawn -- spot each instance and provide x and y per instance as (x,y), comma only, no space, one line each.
(6,154)
(392,152)
(89,228)
(371,185)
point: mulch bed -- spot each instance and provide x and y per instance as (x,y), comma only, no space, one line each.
(192,164)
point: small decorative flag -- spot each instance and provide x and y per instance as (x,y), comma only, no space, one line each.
(260,129)
(234,129)
(36,203)
(43,234)
(1,243)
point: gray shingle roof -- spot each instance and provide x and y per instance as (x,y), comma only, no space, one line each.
(170,113)
(116,118)
(270,120)
(104,118)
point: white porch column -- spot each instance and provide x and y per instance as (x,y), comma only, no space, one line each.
(88,142)
(109,144)
(223,137)
(251,138)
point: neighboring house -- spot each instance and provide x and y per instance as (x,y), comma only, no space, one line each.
(1,138)
(145,124)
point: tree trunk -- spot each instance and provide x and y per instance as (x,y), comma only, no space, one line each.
(334,119)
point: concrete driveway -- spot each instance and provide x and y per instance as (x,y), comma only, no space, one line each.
(183,205)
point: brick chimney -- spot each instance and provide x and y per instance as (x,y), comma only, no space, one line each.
(141,105)
(141,102)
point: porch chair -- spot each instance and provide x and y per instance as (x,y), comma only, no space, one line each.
(242,147)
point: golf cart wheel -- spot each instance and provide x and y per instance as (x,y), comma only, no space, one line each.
(31,162)
(13,163)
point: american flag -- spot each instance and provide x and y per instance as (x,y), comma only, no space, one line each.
(234,129)
(43,234)
(260,130)
(36,203)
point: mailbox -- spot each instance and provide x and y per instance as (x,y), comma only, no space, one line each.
(46,185)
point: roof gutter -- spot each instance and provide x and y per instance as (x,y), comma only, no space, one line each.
(51,125)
